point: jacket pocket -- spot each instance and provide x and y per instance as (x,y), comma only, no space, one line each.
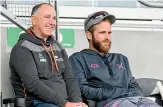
(43,72)
(45,69)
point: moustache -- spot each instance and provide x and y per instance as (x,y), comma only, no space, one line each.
(106,41)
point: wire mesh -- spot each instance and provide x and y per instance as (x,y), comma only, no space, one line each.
(23,8)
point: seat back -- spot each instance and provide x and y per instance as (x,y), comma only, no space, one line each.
(147,85)
(18,101)
(1,99)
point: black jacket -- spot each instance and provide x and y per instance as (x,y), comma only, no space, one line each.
(104,77)
(32,75)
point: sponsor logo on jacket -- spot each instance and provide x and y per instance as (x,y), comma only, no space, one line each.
(120,66)
(94,65)
(42,59)
(58,59)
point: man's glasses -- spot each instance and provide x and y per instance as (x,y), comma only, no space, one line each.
(98,15)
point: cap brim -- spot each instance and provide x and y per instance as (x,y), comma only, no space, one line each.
(111,18)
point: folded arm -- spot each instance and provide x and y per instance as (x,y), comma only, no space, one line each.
(90,90)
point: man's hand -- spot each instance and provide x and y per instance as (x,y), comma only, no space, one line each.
(71,104)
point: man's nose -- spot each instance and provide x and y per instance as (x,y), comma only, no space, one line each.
(107,36)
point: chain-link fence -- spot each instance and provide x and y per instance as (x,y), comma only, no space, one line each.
(22,8)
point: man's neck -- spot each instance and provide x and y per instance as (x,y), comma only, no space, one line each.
(37,34)
(92,48)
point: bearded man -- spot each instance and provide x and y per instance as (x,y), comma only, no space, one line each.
(105,77)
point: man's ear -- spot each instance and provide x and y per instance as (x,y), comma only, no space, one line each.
(89,35)
(33,20)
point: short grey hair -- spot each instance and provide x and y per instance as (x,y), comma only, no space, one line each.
(36,7)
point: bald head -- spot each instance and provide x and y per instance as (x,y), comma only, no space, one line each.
(36,8)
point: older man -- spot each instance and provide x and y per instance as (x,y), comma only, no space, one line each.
(40,69)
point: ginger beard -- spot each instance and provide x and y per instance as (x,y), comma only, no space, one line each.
(101,46)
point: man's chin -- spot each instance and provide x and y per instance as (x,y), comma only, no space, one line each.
(105,49)
(48,34)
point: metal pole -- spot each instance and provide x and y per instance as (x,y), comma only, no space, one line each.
(55,4)
(57,19)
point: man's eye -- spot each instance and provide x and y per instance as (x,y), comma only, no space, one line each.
(46,16)
(109,32)
(54,18)
(102,32)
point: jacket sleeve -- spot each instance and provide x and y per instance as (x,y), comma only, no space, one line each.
(73,90)
(134,88)
(22,61)
(89,91)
